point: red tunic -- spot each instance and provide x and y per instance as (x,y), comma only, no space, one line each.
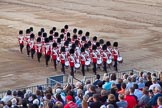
(71,61)
(82,59)
(62,58)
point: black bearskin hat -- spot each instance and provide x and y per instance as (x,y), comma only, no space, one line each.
(94,47)
(73,46)
(20,32)
(44,34)
(62,30)
(74,30)
(80,32)
(31,29)
(87,34)
(97,44)
(101,41)
(56,34)
(46,40)
(69,39)
(86,45)
(42,30)
(82,49)
(104,47)
(54,44)
(83,38)
(115,44)
(75,37)
(54,28)
(27,31)
(51,32)
(62,36)
(38,39)
(71,51)
(58,40)
(50,38)
(95,38)
(32,36)
(39,33)
(66,27)
(66,43)
(63,49)
(108,43)
(89,43)
(68,34)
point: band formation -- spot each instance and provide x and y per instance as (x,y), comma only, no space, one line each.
(73,51)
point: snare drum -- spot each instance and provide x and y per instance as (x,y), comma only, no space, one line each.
(87,63)
(120,59)
(99,61)
(109,61)
(77,66)
(58,59)
(67,63)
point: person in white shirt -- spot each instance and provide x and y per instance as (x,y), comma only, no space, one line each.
(7,97)
(137,92)
(154,83)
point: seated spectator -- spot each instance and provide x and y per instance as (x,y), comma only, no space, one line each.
(84,101)
(96,80)
(113,78)
(137,92)
(154,83)
(107,85)
(123,88)
(144,100)
(112,100)
(99,87)
(104,96)
(159,102)
(119,83)
(148,82)
(115,93)
(157,93)
(132,93)
(96,103)
(121,103)
(70,103)
(130,83)
(141,84)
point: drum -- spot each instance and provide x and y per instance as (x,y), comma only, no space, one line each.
(87,63)
(67,63)
(109,61)
(99,61)
(58,59)
(120,59)
(77,66)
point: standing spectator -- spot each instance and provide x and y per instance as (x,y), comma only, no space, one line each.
(123,88)
(137,92)
(107,85)
(97,80)
(159,102)
(96,102)
(154,83)
(112,100)
(141,84)
(144,100)
(148,82)
(130,83)
(84,101)
(130,99)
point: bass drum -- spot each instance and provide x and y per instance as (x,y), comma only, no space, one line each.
(77,66)
(109,61)
(99,61)
(120,59)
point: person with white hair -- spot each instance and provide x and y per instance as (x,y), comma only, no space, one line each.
(157,93)
(154,83)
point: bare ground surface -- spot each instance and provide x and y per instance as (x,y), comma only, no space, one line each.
(135,24)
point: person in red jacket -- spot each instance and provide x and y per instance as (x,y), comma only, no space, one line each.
(27,39)
(21,40)
(47,51)
(32,45)
(94,58)
(62,59)
(70,103)
(104,57)
(83,59)
(55,54)
(72,61)
(115,53)
(38,46)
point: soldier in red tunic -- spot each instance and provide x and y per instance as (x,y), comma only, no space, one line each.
(27,39)
(62,59)
(47,51)
(72,61)
(115,53)
(83,59)
(32,45)
(21,40)
(104,57)
(94,58)
(55,54)
(39,48)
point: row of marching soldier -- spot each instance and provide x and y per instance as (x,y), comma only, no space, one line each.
(74,51)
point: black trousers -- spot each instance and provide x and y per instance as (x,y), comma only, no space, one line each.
(21,47)
(72,71)
(28,50)
(116,65)
(47,57)
(32,53)
(63,68)
(105,67)
(83,70)
(54,63)
(94,68)
(39,55)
